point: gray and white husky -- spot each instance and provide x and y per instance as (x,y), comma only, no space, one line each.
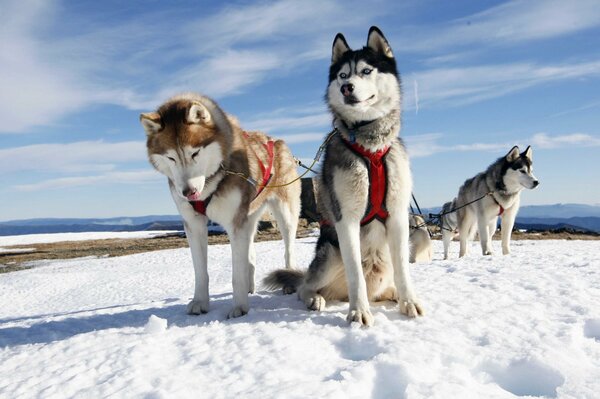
(364,189)
(499,188)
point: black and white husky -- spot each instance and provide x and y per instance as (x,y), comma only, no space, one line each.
(496,192)
(363,189)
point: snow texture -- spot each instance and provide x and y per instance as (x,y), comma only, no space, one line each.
(522,325)
(58,237)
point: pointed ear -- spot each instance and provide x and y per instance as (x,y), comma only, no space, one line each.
(528,153)
(151,122)
(340,46)
(377,42)
(199,114)
(513,154)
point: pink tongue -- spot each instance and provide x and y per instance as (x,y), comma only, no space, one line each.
(194,197)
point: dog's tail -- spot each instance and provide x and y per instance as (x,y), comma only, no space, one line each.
(284,278)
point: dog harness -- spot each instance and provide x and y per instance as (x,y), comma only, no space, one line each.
(376,208)
(501,211)
(200,206)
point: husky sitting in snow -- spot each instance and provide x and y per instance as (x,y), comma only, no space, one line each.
(364,190)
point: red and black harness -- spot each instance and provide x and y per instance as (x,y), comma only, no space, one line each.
(375,162)
(266,170)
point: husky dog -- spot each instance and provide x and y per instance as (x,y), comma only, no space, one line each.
(364,190)
(210,164)
(448,224)
(420,241)
(499,188)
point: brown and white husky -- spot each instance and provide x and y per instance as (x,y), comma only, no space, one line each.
(219,172)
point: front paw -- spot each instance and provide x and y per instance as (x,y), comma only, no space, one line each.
(237,311)
(487,253)
(197,307)
(505,251)
(360,316)
(411,308)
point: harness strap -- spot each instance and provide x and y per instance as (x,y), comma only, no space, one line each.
(376,208)
(200,206)
(267,173)
(501,211)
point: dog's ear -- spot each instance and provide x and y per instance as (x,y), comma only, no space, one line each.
(513,154)
(199,114)
(528,153)
(340,46)
(151,122)
(377,42)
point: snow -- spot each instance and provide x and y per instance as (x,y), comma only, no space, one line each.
(526,324)
(58,237)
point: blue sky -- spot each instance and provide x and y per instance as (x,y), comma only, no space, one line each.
(478,78)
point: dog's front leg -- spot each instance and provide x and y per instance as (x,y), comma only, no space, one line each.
(397,236)
(507,224)
(196,231)
(348,232)
(240,247)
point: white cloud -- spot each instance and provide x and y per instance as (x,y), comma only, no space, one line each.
(130,177)
(543,140)
(461,86)
(506,24)
(83,156)
(420,146)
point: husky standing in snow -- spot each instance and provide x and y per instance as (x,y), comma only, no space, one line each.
(499,188)
(210,162)
(364,190)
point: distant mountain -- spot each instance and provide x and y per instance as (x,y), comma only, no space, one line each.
(124,221)
(576,216)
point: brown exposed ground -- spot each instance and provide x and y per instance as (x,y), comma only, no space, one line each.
(18,257)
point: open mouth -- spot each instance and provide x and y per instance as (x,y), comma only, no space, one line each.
(353,100)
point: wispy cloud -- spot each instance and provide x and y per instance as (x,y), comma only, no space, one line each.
(111,178)
(505,24)
(544,140)
(467,85)
(425,145)
(83,156)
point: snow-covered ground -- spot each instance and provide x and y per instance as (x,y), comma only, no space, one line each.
(496,327)
(29,239)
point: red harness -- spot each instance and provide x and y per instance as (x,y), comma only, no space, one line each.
(501,211)
(200,206)
(376,208)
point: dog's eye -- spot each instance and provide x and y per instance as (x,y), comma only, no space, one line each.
(171,159)
(367,71)
(522,171)
(343,75)
(194,155)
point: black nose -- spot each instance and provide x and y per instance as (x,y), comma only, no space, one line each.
(347,89)
(536,183)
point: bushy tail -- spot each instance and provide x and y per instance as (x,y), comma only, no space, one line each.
(283,278)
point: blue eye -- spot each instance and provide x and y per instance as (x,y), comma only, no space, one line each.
(366,71)
(343,75)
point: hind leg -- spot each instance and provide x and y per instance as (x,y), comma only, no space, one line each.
(286,214)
